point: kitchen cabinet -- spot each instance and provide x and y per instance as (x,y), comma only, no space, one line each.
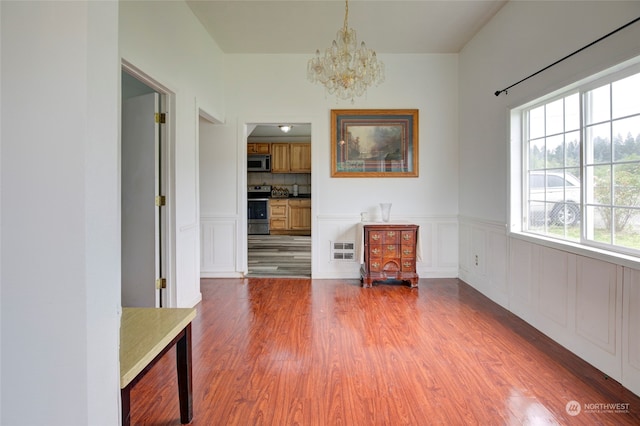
(280,158)
(278,215)
(290,217)
(299,215)
(257,148)
(300,158)
(291,158)
(389,254)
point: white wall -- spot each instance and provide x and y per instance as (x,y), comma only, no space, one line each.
(60,245)
(166,42)
(574,297)
(273,88)
(60,259)
(220,211)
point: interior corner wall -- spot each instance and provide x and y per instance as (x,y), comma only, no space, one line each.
(59,244)
(166,41)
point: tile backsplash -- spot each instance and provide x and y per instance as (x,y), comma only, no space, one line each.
(282,180)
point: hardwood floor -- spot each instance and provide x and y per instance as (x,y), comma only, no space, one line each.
(328,352)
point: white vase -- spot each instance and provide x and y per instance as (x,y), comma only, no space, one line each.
(385,208)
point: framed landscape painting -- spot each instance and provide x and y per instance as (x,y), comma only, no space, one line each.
(374,143)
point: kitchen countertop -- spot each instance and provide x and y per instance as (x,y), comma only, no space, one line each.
(299,196)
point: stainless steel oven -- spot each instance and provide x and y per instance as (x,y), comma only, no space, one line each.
(258,209)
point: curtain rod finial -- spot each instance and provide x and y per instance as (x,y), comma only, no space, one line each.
(497,93)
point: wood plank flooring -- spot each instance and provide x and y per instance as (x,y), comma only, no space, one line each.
(279,256)
(328,352)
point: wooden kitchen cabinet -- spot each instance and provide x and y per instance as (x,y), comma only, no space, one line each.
(258,148)
(290,158)
(280,158)
(389,253)
(278,215)
(300,158)
(290,217)
(300,215)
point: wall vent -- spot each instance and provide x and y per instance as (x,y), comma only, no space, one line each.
(343,251)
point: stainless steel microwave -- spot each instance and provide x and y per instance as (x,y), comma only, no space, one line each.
(258,163)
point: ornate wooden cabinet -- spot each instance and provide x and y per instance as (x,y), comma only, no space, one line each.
(389,253)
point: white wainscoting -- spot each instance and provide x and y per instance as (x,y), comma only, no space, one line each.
(221,249)
(598,310)
(589,305)
(219,239)
(484,257)
(631,330)
(438,234)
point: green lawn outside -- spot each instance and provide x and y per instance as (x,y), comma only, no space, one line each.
(628,238)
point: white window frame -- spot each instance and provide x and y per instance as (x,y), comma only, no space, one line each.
(518,169)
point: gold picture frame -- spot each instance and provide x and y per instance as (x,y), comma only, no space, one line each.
(374,143)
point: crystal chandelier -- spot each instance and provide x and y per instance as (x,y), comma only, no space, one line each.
(346,69)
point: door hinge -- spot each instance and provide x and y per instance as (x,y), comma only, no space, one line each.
(161,200)
(161,117)
(161,283)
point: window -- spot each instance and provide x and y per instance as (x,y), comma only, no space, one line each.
(576,163)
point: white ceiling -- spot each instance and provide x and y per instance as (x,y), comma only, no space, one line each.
(271,132)
(302,26)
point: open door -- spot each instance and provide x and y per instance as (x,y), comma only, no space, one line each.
(141,204)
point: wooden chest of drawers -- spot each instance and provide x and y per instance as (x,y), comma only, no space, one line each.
(389,254)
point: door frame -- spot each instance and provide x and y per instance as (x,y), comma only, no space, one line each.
(167,178)
(246,126)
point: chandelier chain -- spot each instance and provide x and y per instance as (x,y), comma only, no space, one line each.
(346,15)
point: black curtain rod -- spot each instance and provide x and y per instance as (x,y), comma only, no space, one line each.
(497,92)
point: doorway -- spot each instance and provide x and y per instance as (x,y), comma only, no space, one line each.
(143,193)
(284,250)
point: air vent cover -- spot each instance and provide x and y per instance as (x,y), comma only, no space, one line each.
(343,251)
